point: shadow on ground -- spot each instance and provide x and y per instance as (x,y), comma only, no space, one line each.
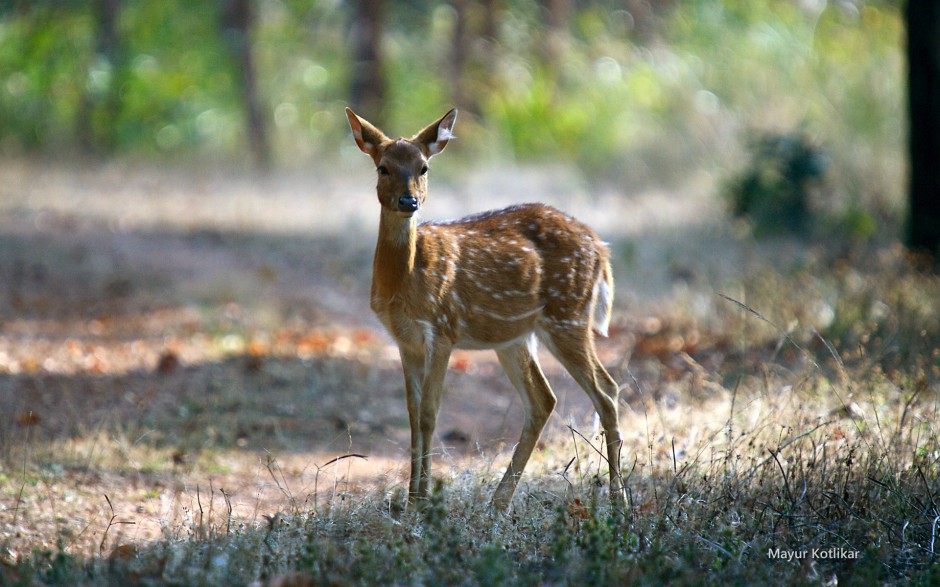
(153,333)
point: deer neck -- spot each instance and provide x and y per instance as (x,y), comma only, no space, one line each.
(395,254)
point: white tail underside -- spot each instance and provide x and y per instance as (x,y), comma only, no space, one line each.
(602,303)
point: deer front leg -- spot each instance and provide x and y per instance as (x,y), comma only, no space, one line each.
(413,365)
(438,355)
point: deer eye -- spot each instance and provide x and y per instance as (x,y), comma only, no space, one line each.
(424,169)
(383,170)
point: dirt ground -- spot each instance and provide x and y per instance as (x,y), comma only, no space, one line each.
(177,344)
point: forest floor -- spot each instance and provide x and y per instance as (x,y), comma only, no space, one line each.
(189,351)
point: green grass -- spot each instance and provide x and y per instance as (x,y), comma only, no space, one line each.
(801,413)
(795,456)
(708,519)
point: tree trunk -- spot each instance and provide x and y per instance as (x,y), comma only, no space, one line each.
(101,99)
(472,59)
(238,21)
(923,54)
(460,53)
(367,87)
(491,25)
(557,13)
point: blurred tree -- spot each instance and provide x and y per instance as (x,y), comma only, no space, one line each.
(491,10)
(462,48)
(648,16)
(923,55)
(367,87)
(100,107)
(557,14)
(475,44)
(237,23)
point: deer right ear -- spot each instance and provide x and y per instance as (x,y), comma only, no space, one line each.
(367,136)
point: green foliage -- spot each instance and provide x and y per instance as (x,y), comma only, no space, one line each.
(45,60)
(178,83)
(777,66)
(631,100)
(776,189)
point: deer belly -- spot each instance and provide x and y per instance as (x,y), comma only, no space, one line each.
(488,329)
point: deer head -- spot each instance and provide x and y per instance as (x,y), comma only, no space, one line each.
(402,164)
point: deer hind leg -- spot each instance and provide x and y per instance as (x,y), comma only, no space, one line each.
(521,365)
(574,349)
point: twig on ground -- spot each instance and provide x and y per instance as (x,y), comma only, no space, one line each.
(111,522)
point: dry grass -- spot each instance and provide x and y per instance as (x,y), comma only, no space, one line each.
(177,387)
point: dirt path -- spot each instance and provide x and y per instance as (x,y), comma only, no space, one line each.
(167,335)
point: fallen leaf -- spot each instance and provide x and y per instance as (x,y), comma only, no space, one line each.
(258,348)
(123,552)
(28,418)
(578,510)
(313,345)
(253,364)
(169,362)
(362,337)
(460,362)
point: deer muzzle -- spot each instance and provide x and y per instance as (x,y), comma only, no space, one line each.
(407,203)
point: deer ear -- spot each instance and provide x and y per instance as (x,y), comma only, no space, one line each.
(434,138)
(367,136)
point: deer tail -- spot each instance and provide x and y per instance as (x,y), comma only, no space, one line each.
(603,298)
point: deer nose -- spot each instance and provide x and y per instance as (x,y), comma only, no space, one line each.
(407,203)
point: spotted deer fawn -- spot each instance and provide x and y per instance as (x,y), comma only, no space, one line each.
(500,280)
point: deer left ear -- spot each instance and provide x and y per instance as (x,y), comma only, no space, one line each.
(435,137)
